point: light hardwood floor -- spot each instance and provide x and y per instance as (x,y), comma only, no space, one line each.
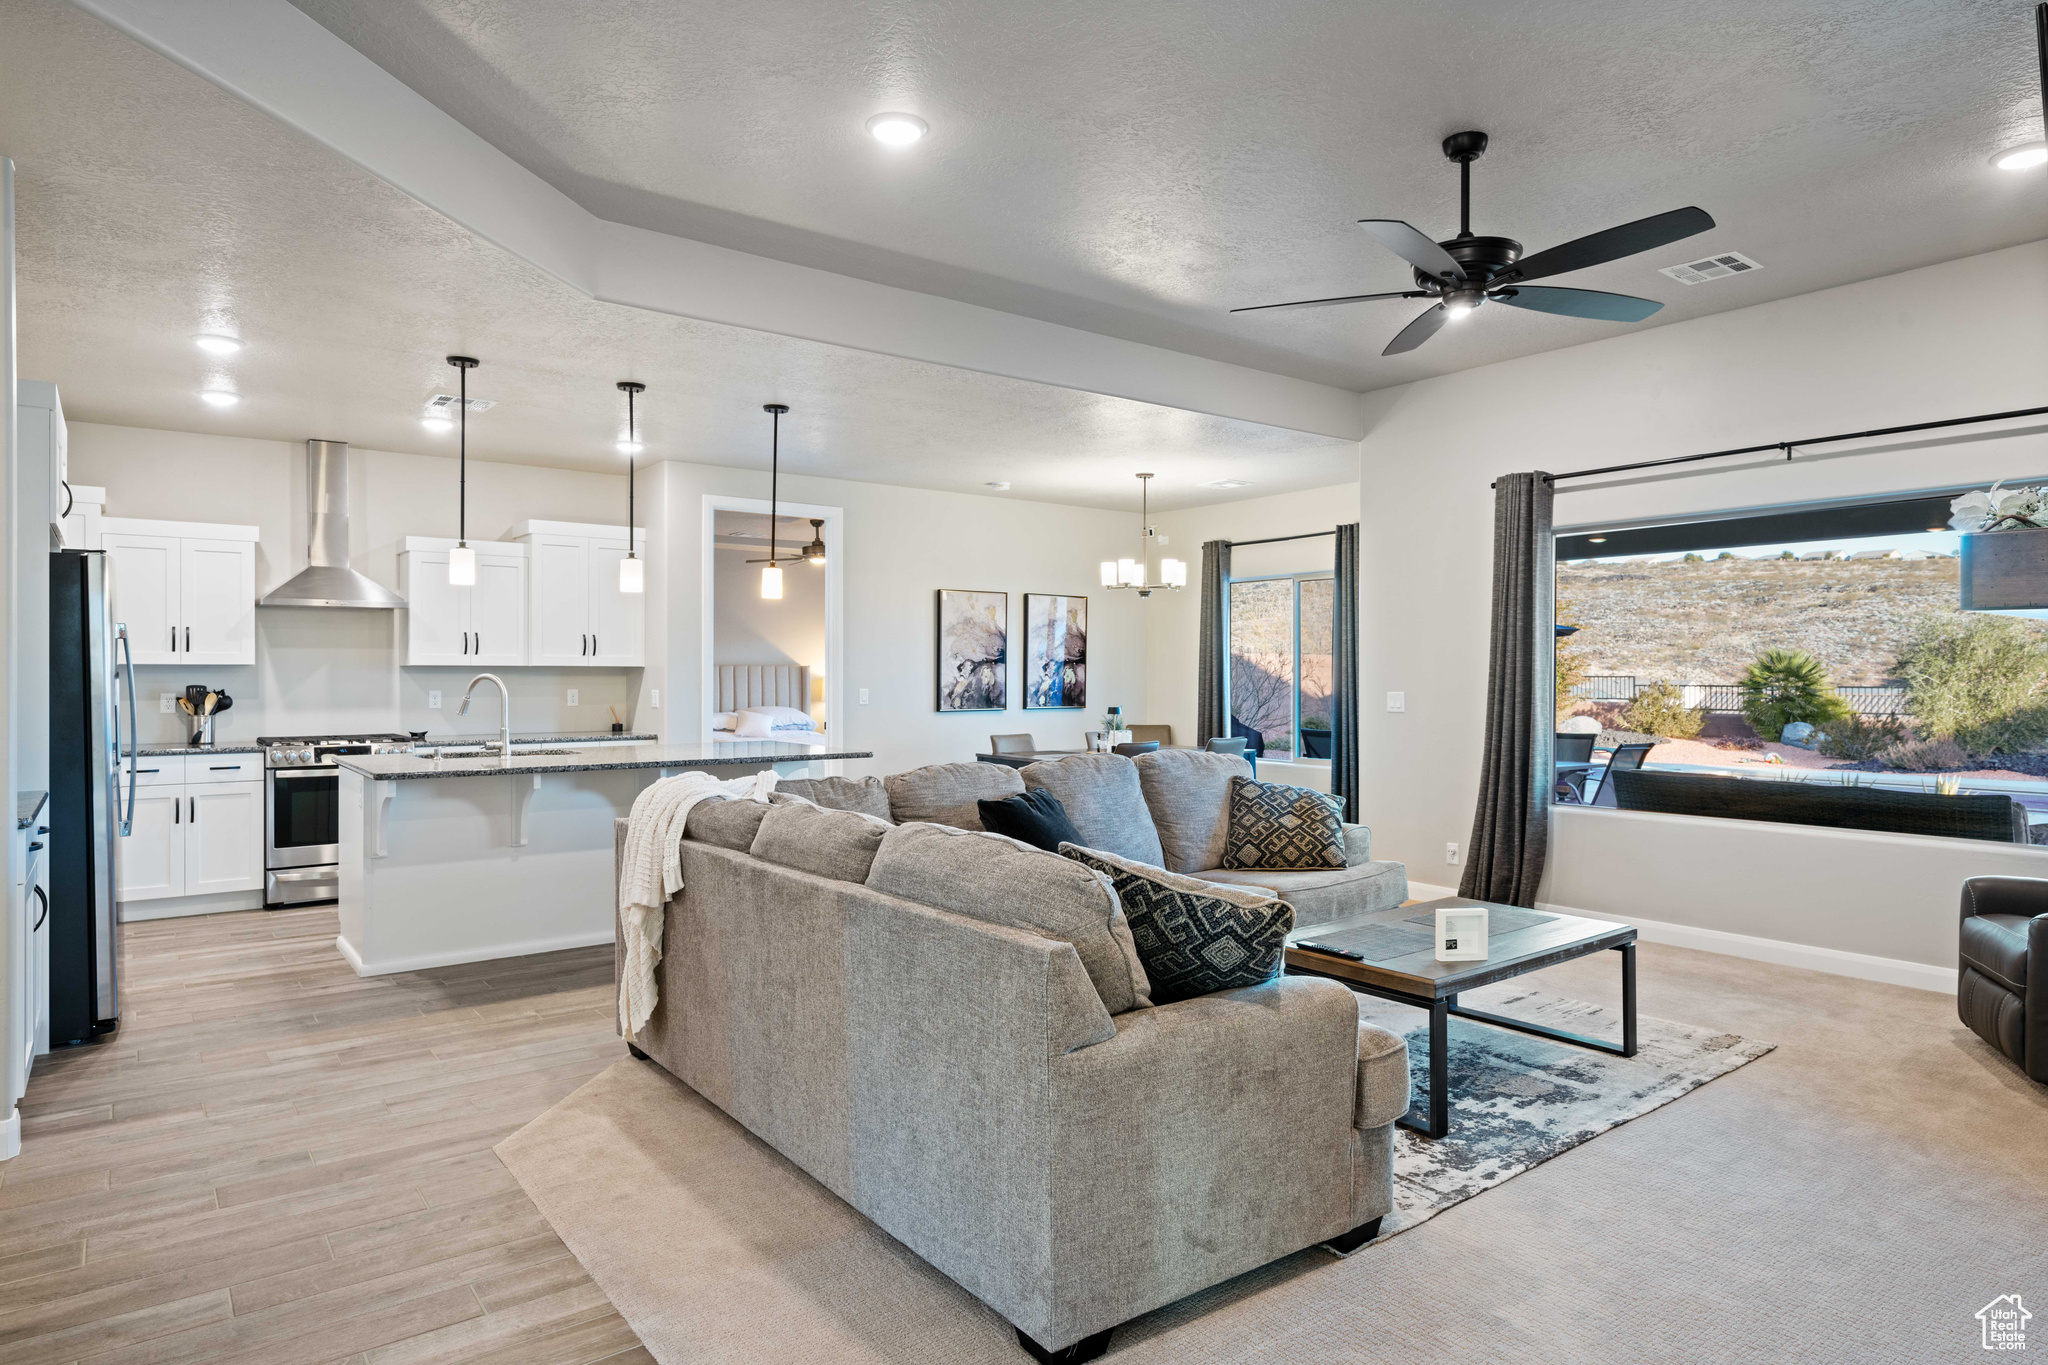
(276,1161)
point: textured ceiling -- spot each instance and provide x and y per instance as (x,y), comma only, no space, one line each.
(1139,168)
(152,205)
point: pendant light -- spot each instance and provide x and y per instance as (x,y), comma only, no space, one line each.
(815,551)
(632,572)
(1137,573)
(462,559)
(771,574)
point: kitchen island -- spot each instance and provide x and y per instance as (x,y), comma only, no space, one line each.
(459,856)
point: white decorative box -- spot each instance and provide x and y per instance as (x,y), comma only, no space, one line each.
(1461,933)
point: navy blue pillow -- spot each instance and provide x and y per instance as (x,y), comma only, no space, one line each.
(1035,817)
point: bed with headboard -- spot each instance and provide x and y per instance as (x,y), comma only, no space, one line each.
(755,702)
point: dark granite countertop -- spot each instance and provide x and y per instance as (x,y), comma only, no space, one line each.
(27,806)
(537,737)
(171,750)
(399,767)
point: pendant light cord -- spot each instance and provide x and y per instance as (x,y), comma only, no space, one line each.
(632,439)
(462,459)
(774,480)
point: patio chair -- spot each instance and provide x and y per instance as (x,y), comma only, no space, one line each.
(1625,759)
(1011,744)
(1254,741)
(1573,749)
(1151,734)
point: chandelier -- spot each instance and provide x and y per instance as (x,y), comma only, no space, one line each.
(1137,573)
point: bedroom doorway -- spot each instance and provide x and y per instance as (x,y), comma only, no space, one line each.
(777,657)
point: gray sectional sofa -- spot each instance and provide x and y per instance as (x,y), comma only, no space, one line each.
(952,1031)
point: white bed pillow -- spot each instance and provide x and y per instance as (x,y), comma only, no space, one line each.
(787,717)
(754,725)
(724,720)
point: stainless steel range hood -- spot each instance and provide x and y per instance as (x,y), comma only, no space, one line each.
(327,580)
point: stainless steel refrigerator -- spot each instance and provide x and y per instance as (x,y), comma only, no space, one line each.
(86,815)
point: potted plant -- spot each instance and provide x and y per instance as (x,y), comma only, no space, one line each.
(2005,548)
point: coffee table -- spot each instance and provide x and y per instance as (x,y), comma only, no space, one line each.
(1391,954)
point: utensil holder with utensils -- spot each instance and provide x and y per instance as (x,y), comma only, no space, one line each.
(200,705)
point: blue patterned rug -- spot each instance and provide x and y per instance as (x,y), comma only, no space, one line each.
(1517,1101)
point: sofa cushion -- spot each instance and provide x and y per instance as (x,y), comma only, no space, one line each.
(864,794)
(1187,792)
(1194,937)
(1321,896)
(1290,828)
(1033,817)
(1104,800)
(726,822)
(839,844)
(947,793)
(1000,881)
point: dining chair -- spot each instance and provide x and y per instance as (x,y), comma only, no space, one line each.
(1150,734)
(1011,744)
(1626,758)
(1235,747)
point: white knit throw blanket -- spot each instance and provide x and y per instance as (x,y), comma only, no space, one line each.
(653,872)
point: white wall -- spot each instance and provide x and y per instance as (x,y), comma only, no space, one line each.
(1951,340)
(320,670)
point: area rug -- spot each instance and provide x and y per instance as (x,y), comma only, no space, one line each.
(717,1249)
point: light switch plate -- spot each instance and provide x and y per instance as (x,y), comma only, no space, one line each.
(1397,701)
(433,701)
(572,697)
(167,701)
(863,696)
(654,697)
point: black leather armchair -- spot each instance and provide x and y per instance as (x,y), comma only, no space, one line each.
(2002,991)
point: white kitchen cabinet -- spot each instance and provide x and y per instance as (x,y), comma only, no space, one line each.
(483,625)
(81,525)
(578,616)
(149,863)
(193,838)
(185,590)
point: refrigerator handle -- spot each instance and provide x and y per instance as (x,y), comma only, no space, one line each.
(128,667)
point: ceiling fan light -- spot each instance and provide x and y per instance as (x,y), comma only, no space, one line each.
(2022,158)
(632,575)
(771,583)
(462,567)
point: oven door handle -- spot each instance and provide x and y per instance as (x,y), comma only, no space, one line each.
(287,774)
(310,874)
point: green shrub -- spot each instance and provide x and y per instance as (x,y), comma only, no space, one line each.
(1725,554)
(1927,756)
(1979,680)
(1660,709)
(1862,737)
(1786,554)
(1695,559)
(1785,685)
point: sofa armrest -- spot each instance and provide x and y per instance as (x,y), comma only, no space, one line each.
(2005,896)
(1357,845)
(1382,1077)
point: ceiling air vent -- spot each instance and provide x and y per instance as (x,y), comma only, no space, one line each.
(1710,268)
(448,402)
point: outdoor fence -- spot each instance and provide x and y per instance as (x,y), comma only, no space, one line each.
(1863,701)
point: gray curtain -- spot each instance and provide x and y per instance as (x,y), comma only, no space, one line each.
(1212,670)
(1344,646)
(1511,829)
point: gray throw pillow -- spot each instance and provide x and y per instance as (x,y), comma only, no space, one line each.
(1289,829)
(725,822)
(1103,798)
(839,844)
(998,880)
(1188,793)
(1195,937)
(949,793)
(864,794)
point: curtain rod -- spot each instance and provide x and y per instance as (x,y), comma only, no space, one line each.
(1787,446)
(1275,540)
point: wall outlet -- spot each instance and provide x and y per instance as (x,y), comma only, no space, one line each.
(863,696)
(167,702)
(1451,854)
(654,697)
(433,701)
(572,697)
(1397,701)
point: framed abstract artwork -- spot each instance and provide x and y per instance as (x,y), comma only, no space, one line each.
(1055,652)
(974,650)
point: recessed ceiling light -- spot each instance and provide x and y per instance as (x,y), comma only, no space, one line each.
(213,343)
(629,447)
(897,130)
(1000,485)
(437,425)
(2022,158)
(1229,483)
(219,398)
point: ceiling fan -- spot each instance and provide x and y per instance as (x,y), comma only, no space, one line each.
(1466,270)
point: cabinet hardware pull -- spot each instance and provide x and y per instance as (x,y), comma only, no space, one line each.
(225,768)
(149,770)
(174,639)
(177,811)
(45,902)
(188,639)
(593,644)
(195,810)
(479,642)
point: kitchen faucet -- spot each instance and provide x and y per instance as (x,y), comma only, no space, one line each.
(504,710)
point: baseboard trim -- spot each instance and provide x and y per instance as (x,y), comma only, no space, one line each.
(428,961)
(178,907)
(10,1135)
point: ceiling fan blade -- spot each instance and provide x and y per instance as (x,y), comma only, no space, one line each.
(1324,303)
(1577,303)
(1645,234)
(1411,246)
(1418,331)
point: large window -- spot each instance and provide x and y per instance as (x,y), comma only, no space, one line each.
(1281,680)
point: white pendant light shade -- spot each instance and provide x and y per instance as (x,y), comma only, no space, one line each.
(771,583)
(632,575)
(1109,573)
(462,567)
(1174,572)
(1130,573)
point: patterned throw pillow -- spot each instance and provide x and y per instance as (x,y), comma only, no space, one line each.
(1194,937)
(1283,829)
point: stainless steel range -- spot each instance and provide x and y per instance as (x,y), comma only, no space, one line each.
(302,813)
